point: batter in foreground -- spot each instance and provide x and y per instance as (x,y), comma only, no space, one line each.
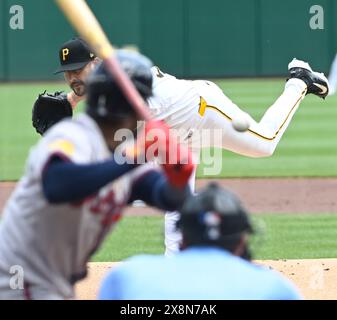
(75,188)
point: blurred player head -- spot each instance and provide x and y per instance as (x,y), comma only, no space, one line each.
(215,217)
(76,62)
(106,103)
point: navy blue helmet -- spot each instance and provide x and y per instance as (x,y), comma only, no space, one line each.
(105,99)
(214,216)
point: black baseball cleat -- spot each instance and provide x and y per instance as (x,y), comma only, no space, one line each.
(316,82)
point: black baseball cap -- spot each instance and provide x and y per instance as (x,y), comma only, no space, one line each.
(74,54)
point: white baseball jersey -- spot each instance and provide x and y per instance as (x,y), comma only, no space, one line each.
(205,113)
(53,243)
(200,105)
(175,101)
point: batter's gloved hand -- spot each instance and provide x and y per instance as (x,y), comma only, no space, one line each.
(152,141)
(49,109)
(176,159)
(157,139)
(157,142)
(179,172)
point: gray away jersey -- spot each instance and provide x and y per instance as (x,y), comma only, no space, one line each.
(52,243)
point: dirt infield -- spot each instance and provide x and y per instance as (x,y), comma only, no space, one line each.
(286,195)
(315,279)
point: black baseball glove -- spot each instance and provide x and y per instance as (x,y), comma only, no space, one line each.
(49,109)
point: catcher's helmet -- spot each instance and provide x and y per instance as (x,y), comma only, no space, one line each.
(105,100)
(213,217)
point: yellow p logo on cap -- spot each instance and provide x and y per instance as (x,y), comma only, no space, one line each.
(65,52)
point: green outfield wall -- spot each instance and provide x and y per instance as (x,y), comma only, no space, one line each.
(189,38)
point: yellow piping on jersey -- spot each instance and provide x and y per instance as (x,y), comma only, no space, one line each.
(203,106)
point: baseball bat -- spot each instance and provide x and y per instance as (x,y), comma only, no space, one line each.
(83,20)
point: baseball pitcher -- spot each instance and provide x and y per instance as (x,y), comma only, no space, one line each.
(199,105)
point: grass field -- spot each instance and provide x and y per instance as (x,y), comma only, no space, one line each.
(308,148)
(283,237)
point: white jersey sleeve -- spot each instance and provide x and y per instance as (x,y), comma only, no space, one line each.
(173,99)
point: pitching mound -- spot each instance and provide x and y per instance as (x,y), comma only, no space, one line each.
(316,279)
